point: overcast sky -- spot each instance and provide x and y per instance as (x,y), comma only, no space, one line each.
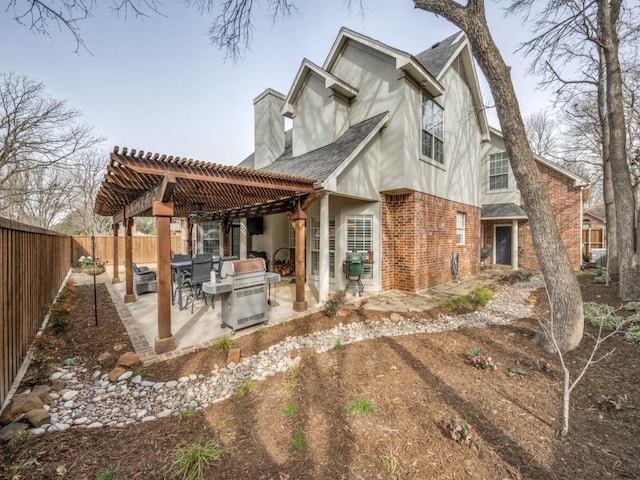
(158,85)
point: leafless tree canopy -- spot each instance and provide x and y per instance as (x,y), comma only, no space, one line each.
(42,143)
(41,15)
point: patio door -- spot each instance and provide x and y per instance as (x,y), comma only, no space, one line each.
(503,245)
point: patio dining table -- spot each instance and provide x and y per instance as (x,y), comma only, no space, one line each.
(177,269)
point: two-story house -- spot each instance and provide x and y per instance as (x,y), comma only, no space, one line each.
(406,169)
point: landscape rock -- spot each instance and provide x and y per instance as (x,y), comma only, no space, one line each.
(125,376)
(19,405)
(69,395)
(233,356)
(115,374)
(57,385)
(12,430)
(37,417)
(105,359)
(42,391)
(128,359)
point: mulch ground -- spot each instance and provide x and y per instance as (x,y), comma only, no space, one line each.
(417,384)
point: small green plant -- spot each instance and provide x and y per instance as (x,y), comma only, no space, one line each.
(338,345)
(107,474)
(461,432)
(482,362)
(245,387)
(482,295)
(223,344)
(607,402)
(544,365)
(516,372)
(388,463)
(289,409)
(16,468)
(191,461)
(633,334)
(359,407)
(221,422)
(43,353)
(20,438)
(459,302)
(597,314)
(632,306)
(283,323)
(522,275)
(59,317)
(600,276)
(184,412)
(297,442)
(138,370)
(333,305)
(261,331)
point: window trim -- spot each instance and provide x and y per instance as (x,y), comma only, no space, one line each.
(429,158)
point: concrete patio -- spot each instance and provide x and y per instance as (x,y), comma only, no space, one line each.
(202,328)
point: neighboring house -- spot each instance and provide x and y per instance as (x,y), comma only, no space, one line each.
(407,170)
(594,231)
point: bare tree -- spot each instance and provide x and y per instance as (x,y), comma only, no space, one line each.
(41,15)
(552,256)
(37,133)
(542,134)
(584,35)
(628,233)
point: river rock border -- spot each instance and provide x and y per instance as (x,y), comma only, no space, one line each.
(91,400)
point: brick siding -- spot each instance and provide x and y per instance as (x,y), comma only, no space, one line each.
(418,238)
(566,201)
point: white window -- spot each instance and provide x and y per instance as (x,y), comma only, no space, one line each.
(211,238)
(460,223)
(360,239)
(432,130)
(314,232)
(498,171)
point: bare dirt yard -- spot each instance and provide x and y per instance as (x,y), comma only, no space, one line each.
(298,424)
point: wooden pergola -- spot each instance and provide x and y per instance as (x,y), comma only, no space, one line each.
(146,184)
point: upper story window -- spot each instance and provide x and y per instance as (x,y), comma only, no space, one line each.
(432,130)
(498,171)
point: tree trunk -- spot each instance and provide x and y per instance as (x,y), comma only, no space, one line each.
(559,277)
(607,184)
(608,13)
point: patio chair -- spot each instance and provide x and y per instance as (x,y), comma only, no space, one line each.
(144,280)
(200,273)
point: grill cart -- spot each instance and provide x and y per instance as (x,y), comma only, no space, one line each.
(353,268)
(243,290)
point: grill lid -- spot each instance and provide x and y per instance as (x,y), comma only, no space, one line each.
(238,267)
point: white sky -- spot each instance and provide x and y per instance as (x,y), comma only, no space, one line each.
(158,85)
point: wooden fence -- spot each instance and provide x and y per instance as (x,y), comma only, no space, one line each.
(33,265)
(144,248)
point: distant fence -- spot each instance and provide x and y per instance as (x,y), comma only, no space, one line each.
(33,265)
(144,248)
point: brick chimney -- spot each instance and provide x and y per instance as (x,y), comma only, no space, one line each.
(269,127)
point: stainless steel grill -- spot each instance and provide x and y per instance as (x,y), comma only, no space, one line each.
(246,304)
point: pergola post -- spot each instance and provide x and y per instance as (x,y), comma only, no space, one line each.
(165,341)
(116,261)
(298,220)
(128,258)
(225,225)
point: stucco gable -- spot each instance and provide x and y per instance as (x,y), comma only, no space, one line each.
(403,60)
(332,82)
(326,162)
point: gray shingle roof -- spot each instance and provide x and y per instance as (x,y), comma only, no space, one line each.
(502,210)
(319,164)
(597,211)
(435,58)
